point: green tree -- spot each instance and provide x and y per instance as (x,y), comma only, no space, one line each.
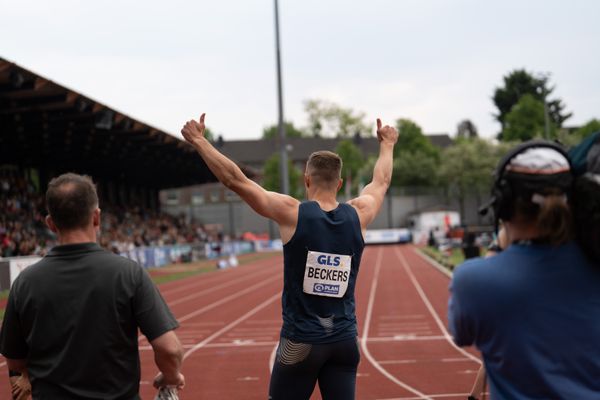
(365,173)
(272,180)
(352,162)
(468,167)
(466,129)
(327,119)
(412,140)
(209,135)
(526,120)
(414,169)
(291,131)
(519,83)
(592,126)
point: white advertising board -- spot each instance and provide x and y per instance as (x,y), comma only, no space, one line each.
(18,264)
(383,236)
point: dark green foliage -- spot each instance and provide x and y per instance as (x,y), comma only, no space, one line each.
(272,131)
(517,84)
(272,181)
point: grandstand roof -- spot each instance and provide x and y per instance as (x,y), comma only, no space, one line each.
(47,126)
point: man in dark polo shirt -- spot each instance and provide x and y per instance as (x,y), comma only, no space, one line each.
(71,322)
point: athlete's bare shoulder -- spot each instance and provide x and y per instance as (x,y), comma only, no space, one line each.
(288,218)
(364,208)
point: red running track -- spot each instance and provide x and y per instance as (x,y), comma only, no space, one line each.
(230,323)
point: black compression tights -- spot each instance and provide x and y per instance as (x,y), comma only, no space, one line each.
(299,366)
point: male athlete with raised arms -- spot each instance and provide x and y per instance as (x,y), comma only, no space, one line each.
(323,244)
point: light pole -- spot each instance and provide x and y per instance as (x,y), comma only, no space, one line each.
(544,79)
(283,160)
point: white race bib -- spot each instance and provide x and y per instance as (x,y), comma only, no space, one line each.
(326,274)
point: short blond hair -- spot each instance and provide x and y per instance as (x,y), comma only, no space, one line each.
(324,168)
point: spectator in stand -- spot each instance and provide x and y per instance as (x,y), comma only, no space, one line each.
(23,231)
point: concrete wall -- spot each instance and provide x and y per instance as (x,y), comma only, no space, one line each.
(237,217)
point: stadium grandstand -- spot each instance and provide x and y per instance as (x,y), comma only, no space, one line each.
(47,129)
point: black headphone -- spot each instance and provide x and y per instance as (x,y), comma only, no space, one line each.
(503,195)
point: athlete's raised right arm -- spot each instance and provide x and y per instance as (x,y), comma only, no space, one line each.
(369,202)
(278,207)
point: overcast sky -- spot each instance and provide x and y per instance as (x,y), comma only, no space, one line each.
(436,62)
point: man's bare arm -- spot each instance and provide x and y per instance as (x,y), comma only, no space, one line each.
(280,208)
(168,356)
(369,202)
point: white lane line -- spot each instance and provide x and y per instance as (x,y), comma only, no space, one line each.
(405,338)
(204,324)
(436,264)
(431,360)
(457,359)
(221,301)
(232,324)
(432,311)
(242,343)
(433,396)
(273,356)
(265,322)
(217,275)
(198,280)
(407,316)
(365,335)
(398,362)
(251,331)
(228,298)
(215,288)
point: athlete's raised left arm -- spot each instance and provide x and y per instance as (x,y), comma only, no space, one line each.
(280,208)
(369,202)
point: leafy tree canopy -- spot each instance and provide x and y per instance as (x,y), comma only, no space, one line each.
(414,169)
(352,162)
(412,140)
(272,181)
(466,130)
(209,135)
(327,119)
(526,121)
(291,131)
(469,165)
(590,127)
(519,83)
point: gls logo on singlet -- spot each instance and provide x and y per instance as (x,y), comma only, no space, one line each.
(326,274)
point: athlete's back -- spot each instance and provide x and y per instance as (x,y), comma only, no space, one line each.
(321,263)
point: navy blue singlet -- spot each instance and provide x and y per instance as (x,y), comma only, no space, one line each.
(321,263)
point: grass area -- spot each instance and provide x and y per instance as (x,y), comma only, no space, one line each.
(175,272)
(448,260)
(3,295)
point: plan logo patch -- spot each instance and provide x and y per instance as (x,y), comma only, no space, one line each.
(326,288)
